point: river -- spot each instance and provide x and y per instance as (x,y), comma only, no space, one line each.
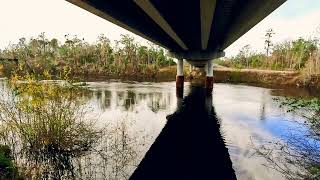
(249,117)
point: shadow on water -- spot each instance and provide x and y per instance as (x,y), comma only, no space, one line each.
(190,145)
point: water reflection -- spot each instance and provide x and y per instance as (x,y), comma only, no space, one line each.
(189,146)
(129,100)
(250,118)
(132,115)
(297,154)
(52,135)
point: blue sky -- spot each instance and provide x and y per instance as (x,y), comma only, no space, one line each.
(28,18)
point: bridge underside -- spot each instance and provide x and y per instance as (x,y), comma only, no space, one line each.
(193,29)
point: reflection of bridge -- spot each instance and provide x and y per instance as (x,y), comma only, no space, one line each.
(195,30)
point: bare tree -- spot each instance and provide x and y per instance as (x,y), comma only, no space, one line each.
(268,42)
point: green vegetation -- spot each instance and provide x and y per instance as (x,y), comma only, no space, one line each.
(298,55)
(8,169)
(45,125)
(78,58)
(50,135)
(308,109)
(289,55)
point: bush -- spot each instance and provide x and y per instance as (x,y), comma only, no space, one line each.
(48,124)
(7,168)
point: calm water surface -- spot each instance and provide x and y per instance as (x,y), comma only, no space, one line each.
(249,117)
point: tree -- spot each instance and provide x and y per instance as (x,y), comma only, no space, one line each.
(242,57)
(268,42)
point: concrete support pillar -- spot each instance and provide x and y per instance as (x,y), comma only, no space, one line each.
(209,68)
(209,78)
(206,68)
(179,78)
(180,67)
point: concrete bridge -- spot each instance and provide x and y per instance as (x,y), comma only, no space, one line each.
(197,31)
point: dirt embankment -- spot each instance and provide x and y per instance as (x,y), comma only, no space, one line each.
(265,78)
(254,76)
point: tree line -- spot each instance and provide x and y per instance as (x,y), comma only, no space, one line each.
(76,57)
(299,55)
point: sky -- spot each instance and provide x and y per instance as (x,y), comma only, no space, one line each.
(28,18)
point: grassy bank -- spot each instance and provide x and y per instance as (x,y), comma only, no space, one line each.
(257,77)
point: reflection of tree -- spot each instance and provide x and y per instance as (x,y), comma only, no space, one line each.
(298,157)
(120,98)
(155,105)
(156,102)
(263,106)
(107,101)
(142,96)
(116,157)
(104,100)
(99,94)
(130,100)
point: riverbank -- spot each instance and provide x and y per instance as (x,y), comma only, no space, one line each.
(256,77)
(265,78)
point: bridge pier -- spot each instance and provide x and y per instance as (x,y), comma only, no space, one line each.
(197,59)
(179,78)
(209,77)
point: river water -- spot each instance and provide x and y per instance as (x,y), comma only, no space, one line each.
(249,117)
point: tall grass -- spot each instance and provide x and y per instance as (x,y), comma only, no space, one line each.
(45,125)
(52,136)
(311,72)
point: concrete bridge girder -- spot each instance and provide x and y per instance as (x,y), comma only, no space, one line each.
(194,25)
